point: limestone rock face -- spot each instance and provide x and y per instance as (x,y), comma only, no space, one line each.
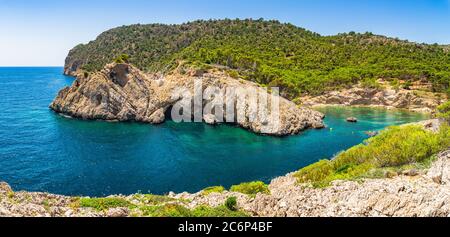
(121,92)
(358,96)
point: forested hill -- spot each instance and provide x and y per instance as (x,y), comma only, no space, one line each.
(270,53)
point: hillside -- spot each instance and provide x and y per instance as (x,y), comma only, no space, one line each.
(270,53)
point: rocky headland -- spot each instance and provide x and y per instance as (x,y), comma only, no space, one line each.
(121,92)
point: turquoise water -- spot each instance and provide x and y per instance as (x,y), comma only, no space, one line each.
(41,151)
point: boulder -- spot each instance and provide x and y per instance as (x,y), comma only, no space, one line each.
(352,120)
(5,188)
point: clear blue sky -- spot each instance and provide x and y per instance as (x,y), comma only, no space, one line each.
(39,33)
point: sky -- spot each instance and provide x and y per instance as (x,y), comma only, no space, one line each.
(41,33)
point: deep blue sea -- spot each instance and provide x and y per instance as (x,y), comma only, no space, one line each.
(42,151)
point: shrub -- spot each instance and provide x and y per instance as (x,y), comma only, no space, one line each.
(168,210)
(214,189)
(101,204)
(251,188)
(153,199)
(395,84)
(371,83)
(175,210)
(221,211)
(233,73)
(231,203)
(394,147)
(444,111)
(123,58)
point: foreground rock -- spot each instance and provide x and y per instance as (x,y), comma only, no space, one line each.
(121,92)
(414,100)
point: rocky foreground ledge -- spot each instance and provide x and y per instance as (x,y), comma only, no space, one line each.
(121,92)
(411,193)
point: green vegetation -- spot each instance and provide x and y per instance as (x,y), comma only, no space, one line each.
(153,199)
(395,148)
(221,211)
(159,206)
(231,203)
(215,189)
(123,58)
(102,204)
(444,111)
(251,188)
(270,53)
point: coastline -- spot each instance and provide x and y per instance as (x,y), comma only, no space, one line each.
(410,192)
(425,193)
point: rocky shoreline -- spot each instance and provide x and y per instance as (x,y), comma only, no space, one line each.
(412,193)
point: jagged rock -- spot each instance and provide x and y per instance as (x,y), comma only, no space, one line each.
(352,120)
(412,172)
(5,188)
(440,171)
(390,174)
(371,133)
(118,212)
(121,92)
(210,119)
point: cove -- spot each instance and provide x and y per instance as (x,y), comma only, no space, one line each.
(42,151)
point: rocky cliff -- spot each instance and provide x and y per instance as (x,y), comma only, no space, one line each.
(414,100)
(121,92)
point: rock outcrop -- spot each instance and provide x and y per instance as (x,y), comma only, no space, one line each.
(414,100)
(121,92)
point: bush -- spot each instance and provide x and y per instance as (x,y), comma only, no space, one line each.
(101,204)
(168,210)
(123,58)
(214,189)
(444,111)
(394,147)
(175,210)
(251,188)
(231,203)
